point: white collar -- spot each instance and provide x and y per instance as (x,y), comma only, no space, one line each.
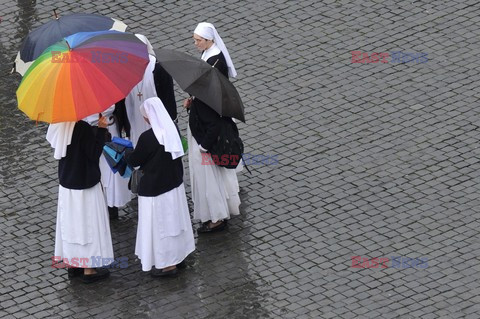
(213,50)
(59,135)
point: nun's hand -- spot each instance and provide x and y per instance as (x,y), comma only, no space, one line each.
(102,122)
(187,103)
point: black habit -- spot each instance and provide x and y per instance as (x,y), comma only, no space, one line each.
(164,87)
(204,122)
(161,173)
(79,169)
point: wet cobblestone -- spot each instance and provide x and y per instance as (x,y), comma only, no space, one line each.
(375,160)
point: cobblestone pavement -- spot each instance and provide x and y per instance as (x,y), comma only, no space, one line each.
(375,160)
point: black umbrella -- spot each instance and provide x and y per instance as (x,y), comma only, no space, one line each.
(55,30)
(203,81)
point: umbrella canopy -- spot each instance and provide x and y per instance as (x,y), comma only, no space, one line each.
(82,75)
(55,30)
(205,82)
(114,154)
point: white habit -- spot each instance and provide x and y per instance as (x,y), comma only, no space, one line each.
(164,234)
(114,185)
(141,92)
(214,188)
(83,228)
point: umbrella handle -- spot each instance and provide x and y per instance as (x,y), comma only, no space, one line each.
(55,13)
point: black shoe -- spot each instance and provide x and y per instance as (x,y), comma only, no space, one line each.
(113,212)
(159,273)
(101,274)
(74,272)
(205,228)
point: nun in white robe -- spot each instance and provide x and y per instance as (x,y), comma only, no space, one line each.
(144,90)
(114,185)
(164,234)
(83,236)
(214,189)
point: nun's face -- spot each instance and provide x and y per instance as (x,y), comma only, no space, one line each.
(202,44)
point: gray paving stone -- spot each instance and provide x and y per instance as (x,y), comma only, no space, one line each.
(361,172)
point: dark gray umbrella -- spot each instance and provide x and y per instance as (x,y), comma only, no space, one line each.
(55,30)
(203,81)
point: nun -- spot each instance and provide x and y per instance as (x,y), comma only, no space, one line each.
(164,233)
(156,82)
(115,187)
(142,91)
(83,241)
(214,188)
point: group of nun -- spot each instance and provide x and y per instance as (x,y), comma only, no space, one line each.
(90,193)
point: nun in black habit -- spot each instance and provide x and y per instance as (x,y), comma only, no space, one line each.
(214,188)
(164,233)
(82,230)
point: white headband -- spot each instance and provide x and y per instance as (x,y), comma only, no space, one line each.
(207,31)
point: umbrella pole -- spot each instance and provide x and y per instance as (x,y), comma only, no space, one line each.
(55,13)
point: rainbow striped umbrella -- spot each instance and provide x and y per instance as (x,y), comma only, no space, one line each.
(83,74)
